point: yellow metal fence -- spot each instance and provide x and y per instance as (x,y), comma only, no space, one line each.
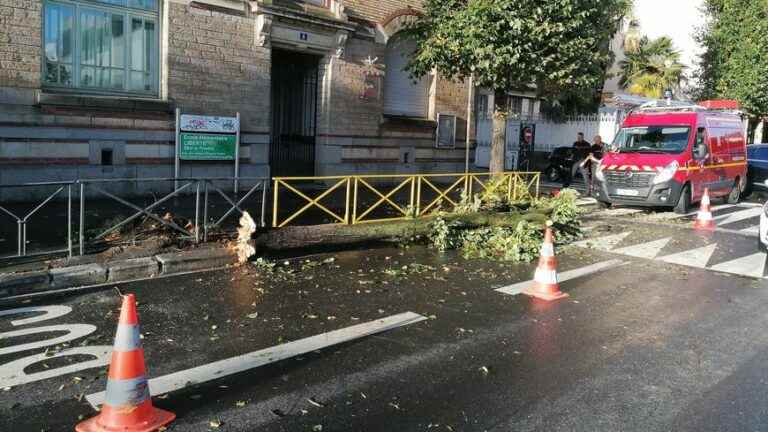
(380,198)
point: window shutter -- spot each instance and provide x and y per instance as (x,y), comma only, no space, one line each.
(403,96)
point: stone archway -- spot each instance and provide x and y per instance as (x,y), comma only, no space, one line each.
(398,20)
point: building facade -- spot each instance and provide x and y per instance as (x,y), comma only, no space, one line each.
(89,88)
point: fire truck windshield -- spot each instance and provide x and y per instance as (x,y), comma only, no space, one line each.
(652,139)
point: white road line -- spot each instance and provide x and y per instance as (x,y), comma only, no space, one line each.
(586,201)
(606,243)
(564,276)
(692,258)
(670,215)
(621,211)
(645,250)
(50,312)
(751,265)
(753,229)
(738,216)
(71,332)
(14,373)
(211,371)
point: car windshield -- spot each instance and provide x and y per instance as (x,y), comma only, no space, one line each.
(652,139)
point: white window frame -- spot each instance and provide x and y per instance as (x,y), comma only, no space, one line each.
(128,13)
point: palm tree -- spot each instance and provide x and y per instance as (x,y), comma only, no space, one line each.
(632,37)
(652,68)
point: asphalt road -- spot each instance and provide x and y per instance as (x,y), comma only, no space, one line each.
(652,344)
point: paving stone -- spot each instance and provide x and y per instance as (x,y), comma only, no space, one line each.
(12,284)
(198,259)
(88,274)
(134,268)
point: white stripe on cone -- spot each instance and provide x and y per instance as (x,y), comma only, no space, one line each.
(545,276)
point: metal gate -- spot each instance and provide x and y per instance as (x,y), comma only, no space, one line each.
(294,113)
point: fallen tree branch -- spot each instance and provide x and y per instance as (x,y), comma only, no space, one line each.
(335,235)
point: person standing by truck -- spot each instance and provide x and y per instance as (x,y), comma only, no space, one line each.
(592,160)
(581,149)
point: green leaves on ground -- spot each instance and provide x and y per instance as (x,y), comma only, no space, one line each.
(520,242)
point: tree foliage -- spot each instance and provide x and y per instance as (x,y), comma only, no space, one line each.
(735,61)
(558,46)
(652,67)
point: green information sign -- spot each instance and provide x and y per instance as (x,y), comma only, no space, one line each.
(195,146)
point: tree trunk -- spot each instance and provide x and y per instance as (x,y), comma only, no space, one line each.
(336,235)
(499,132)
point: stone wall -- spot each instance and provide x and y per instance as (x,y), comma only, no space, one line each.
(215,67)
(211,64)
(378,10)
(357,137)
(20,45)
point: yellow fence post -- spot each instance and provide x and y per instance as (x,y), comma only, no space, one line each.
(354,201)
(514,180)
(538,182)
(274,208)
(466,185)
(418,196)
(346,201)
(470,179)
(412,205)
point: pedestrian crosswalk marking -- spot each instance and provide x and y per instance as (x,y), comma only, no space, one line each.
(671,215)
(738,216)
(645,250)
(604,243)
(698,257)
(564,276)
(753,229)
(622,211)
(751,265)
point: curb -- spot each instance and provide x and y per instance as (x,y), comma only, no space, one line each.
(92,275)
(195,260)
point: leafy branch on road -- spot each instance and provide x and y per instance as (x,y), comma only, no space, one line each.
(517,241)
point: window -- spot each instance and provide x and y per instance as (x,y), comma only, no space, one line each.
(402,95)
(531,107)
(515,105)
(106,157)
(101,46)
(481,105)
(652,139)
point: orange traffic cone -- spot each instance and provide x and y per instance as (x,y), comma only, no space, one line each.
(545,280)
(127,406)
(704,219)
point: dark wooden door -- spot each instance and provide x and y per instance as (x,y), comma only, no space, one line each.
(294,114)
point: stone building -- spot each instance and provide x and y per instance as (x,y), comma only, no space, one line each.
(88,88)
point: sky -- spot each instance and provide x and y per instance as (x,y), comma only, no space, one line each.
(677,19)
